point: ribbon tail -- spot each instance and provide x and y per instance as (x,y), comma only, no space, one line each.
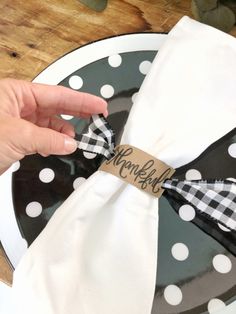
(215,199)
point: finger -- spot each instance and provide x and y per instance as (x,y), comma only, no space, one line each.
(49,100)
(44,141)
(49,142)
(61,126)
(2,170)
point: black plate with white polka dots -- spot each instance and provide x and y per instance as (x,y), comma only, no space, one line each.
(196,274)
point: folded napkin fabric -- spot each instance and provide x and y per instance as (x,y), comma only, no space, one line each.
(98,253)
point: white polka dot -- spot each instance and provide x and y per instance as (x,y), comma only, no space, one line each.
(232,150)
(180,251)
(231,179)
(215,305)
(66,117)
(115,61)
(193,174)
(223,228)
(107,91)
(187,212)
(15,166)
(75,82)
(46,175)
(77,182)
(89,155)
(144,67)
(173,295)
(222,263)
(134,96)
(33,209)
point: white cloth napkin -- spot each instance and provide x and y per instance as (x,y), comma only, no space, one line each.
(98,253)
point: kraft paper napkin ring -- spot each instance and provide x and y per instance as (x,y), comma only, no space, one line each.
(138,168)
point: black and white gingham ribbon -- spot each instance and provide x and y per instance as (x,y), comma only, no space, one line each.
(99,139)
(217,199)
(213,198)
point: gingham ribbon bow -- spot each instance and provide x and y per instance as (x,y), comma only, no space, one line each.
(214,198)
(99,139)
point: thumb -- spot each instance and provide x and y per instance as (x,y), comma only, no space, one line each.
(49,142)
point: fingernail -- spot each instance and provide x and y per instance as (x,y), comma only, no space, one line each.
(70,145)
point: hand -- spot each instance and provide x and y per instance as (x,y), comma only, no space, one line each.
(29,121)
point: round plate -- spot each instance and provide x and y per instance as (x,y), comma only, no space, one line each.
(196,274)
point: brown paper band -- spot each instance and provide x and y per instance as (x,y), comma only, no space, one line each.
(138,168)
